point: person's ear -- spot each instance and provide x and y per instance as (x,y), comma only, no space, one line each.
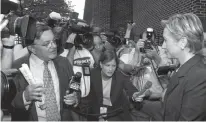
(183,43)
(32,49)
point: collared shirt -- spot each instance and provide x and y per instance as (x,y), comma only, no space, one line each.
(37,69)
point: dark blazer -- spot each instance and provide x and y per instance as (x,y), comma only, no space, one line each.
(185,98)
(64,72)
(120,84)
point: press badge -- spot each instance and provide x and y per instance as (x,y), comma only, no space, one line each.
(103,110)
(86,69)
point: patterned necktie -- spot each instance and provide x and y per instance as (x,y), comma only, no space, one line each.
(52,113)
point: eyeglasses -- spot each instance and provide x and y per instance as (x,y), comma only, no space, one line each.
(48,45)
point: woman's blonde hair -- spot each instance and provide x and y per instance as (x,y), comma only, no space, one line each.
(189,26)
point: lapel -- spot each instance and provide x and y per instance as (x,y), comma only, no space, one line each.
(97,82)
(174,81)
(61,78)
(112,92)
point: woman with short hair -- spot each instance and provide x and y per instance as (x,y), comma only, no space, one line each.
(185,97)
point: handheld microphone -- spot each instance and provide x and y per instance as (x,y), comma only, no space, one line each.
(75,83)
(146,86)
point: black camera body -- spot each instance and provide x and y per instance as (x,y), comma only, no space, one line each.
(147,46)
(24,26)
(148,43)
(163,70)
(113,38)
(84,34)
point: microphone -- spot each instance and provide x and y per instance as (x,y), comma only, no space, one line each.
(146,86)
(75,83)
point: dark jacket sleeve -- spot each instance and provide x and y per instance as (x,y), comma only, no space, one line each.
(20,83)
(128,86)
(194,99)
(18,99)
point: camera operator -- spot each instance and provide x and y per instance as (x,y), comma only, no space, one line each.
(82,61)
(98,45)
(157,53)
(7,45)
(128,55)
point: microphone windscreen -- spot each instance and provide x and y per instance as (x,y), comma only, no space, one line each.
(147,85)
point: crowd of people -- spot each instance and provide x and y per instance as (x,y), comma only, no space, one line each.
(121,78)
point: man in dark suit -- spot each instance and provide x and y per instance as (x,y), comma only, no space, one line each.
(43,100)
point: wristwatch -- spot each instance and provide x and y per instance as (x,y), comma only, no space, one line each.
(8,47)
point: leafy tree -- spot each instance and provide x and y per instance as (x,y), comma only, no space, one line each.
(40,9)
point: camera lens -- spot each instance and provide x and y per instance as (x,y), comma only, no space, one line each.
(149,35)
(115,41)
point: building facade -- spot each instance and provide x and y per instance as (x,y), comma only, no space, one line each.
(114,14)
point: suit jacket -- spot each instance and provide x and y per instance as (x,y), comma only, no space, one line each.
(185,97)
(120,84)
(64,72)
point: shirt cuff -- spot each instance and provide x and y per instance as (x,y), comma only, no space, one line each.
(26,104)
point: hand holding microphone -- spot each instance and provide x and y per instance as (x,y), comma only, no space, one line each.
(138,96)
(72,96)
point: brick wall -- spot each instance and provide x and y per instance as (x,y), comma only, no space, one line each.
(149,13)
(199,8)
(110,14)
(98,12)
(88,11)
(121,13)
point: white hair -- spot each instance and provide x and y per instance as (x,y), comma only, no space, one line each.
(189,26)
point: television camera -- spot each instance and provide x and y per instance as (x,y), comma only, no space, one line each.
(8,88)
(25,27)
(84,33)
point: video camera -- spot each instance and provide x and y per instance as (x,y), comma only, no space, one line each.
(24,26)
(84,34)
(8,88)
(113,38)
(149,42)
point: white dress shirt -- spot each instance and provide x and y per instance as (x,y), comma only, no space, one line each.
(37,68)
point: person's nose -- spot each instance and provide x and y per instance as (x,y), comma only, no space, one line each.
(110,68)
(53,44)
